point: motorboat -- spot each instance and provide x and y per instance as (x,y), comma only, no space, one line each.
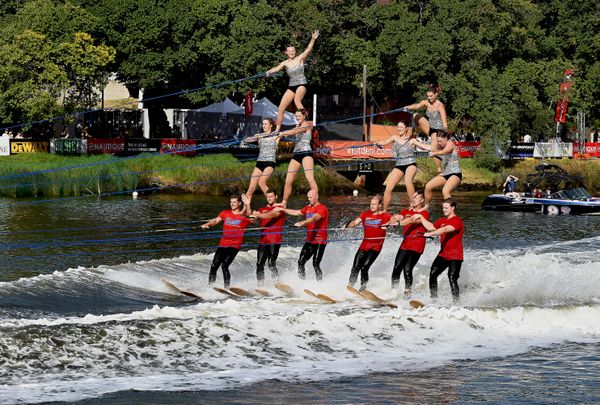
(563,195)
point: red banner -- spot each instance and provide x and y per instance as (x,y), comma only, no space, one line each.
(467,149)
(178,146)
(109,146)
(591,149)
(248,104)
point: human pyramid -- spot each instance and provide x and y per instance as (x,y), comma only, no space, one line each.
(375,220)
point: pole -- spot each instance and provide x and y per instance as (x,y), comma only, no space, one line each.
(314,109)
(364,91)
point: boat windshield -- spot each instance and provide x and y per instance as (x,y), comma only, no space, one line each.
(578,193)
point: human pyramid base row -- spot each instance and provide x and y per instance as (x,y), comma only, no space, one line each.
(375,221)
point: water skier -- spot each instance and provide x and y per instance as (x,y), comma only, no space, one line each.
(235,221)
(436,116)
(267,153)
(406,162)
(451,175)
(272,222)
(302,156)
(294,67)
(413,242)
(374,236)
(450,229)
(316,222)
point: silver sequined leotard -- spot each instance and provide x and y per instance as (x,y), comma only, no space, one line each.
(404,153)
(450,163)
(296,74)
(303,142)
(435,120)
(267,151)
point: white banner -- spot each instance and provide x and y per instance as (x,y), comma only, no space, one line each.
(4,146)
(553,149)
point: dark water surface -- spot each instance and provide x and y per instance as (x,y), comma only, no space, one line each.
(84,315)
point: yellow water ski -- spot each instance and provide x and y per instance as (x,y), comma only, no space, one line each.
(286,289)
(355,292)
(241,292)
(416,304)
(370,296)
(224,291)
(321,297)
(187,293)
(264,293)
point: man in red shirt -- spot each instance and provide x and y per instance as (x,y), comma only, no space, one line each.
(374,236)
(272,223)
(413,242)
(450,229)
(235,221)
(316,222)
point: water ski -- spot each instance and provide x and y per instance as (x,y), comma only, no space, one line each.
(321,297)
(264,293)
(416,304)
(241,292)
(286,289)
(174,288)
(355,291)
(226,292)
(370,296)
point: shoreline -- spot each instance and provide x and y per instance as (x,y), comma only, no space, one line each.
(223,174)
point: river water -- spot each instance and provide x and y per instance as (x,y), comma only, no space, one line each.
(84,315)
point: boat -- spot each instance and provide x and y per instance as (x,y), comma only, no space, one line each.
(564,194)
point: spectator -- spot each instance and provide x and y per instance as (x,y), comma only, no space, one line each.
(509,184)
(19,135)
(596,137)
(527,138)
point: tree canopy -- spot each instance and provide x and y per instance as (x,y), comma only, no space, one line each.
(498,62)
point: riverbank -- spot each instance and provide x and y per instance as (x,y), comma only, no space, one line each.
(49,175)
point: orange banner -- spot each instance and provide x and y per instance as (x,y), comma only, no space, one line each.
(351,149)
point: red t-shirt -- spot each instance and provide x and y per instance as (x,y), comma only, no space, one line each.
(451,242)
(413,233)
(316,232)
(233,229)
(272,227)
(374,235)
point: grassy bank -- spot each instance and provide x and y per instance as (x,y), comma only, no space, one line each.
(48,175)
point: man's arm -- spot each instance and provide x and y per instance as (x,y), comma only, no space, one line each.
(211,222)
(289,211)
(267,214)
(354,223)
(307,221)
(441,231)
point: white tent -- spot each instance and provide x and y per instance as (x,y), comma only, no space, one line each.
(266,109)
(222,107)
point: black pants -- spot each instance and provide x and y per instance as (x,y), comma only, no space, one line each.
(362,263)
(223,258)
(267,254)
(316,252)
(405,262)
(437,267)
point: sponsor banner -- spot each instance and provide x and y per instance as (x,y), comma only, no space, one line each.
(553,149)
(351,149)
(28,146)
(142,145)
(521,150)
(186,146)
(590,149)
(105,145)
(467,149)
(4,146)
(69,146)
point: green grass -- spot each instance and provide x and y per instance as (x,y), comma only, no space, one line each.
(217,175)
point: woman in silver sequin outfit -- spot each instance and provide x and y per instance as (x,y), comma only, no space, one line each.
(451,174)
(265,163)
(294,67)
(302,155)
(403,148)
(436,117)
